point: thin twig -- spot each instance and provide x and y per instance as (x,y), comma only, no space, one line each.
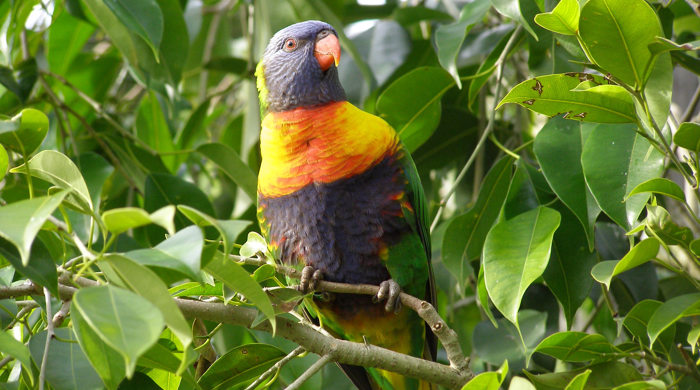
(688,114)
(310,372)
(487,130)
(61,314)
(49,337)
(671,366)
(276,367)
(5,360)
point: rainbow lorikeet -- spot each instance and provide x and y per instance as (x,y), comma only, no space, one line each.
(340,197)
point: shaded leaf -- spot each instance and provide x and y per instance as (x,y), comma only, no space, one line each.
(230,163)
(22,221)
(417,118)
(228,229)
(554,94)
(125,321)
(240,365)
(516,253)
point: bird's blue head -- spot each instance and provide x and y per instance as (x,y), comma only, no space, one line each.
(299,67)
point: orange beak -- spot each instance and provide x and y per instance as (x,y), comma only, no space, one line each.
(327,52)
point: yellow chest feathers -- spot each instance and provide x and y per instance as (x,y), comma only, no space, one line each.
(320,145)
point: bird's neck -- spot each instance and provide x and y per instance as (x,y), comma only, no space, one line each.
(280,93)
(320,144)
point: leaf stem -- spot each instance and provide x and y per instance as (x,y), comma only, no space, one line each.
(276,367)
(325,359)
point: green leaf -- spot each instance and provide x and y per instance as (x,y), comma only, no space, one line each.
(688,136)
(554,94)
(417,118)
(125,321)
(25,132)
(143,17)
(660,223)
(643,385)
(256,244)
(104,359)
(637,320)
(449,37)
(230,163)
(488,380)
(181,252)
(238,279)
(152,127)
(56,168)
(41,268)
(175,45)
(164,189)
(693,337)
(577,347)
(568,273)
(516,253)
(559,144)
(483,295)
(617,34)
(10,346)
(464,236)
(671,311)
(240,365)
(67,368)
(147,284)
(122,219)
(406,16)
(659,185)
(663,45)
(514,9)
(496,344)
(4,162)
(228,64)
(603,376)
(67,37)
(640,254)
(22,221)
(616,159)
(579,381)
(228,229)
(562,20)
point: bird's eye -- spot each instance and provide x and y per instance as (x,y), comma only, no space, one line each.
(290,44)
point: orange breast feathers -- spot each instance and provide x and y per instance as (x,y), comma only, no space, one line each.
(320,145)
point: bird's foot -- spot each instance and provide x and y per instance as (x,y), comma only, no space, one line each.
(310,276)
(391,291)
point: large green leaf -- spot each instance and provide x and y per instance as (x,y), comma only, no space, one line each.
(125,321)
(637,320)
(143,17)
(517,10)
(671,311)
(119,220)
(563,19)
(230,163)
(568,273)
(239,280)
(488,380)
(516,253)
(559,144)
(616,159)
(147,284)
(240,365)
(228,229)
(449,37)
(415,119)
(56,168)
(464,237)
(555,94)
(181,252)
(640,254)
(617,34)
(104,359)
(24,132)
(67,368)
(11,347)
(577,347)
(22,220)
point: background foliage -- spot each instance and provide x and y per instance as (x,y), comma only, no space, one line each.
(569,219)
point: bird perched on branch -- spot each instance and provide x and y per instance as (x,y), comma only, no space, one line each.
(340,198)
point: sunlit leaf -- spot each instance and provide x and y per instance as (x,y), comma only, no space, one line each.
(563,19)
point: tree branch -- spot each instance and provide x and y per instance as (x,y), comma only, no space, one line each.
(425,310)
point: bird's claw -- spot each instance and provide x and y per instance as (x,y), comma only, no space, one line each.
(309,278)
(391,291)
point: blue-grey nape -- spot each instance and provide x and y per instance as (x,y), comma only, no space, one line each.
(295,79)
